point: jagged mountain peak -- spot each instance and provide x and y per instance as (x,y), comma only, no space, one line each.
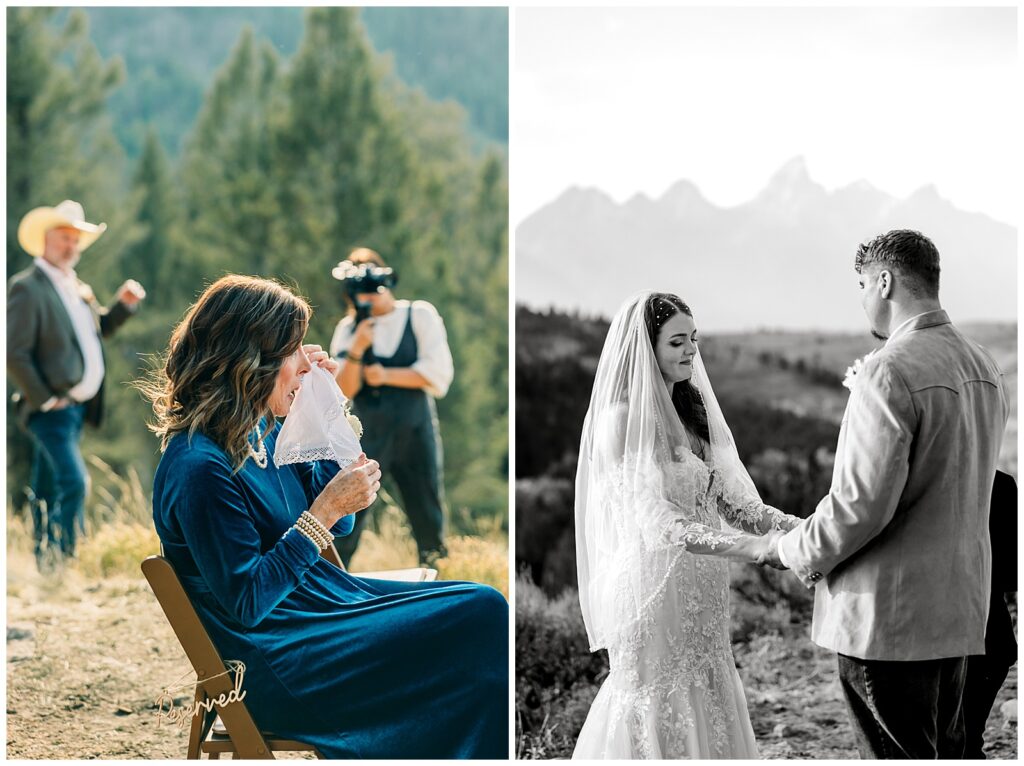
(638,200)
(791,183)
(568,251)
(860,187)
(577,193)
(683,195)
(793,170)
(929,193)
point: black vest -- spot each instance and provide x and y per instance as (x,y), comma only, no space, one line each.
(389,406)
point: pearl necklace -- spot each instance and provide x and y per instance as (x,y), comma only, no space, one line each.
(259,456)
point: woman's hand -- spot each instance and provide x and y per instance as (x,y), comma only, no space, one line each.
(352,489)
(321,358)
(374,374)
(769,553)
(363,337)
(761,550)
(737,546)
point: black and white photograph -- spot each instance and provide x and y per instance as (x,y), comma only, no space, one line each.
(765,272)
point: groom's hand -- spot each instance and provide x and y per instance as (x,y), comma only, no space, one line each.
(769,552)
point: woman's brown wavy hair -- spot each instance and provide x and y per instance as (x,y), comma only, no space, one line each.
(222,362)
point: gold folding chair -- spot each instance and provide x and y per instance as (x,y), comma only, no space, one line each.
(233,730)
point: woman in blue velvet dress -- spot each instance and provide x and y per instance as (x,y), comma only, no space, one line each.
(359,668)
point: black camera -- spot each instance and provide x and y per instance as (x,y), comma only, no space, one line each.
(360,279)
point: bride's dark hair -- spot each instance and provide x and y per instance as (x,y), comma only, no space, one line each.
(686,399)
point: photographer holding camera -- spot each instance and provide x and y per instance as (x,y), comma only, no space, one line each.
(395,361)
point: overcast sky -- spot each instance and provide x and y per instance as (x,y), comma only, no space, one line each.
(632,100)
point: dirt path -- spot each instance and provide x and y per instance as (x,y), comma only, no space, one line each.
(85,664)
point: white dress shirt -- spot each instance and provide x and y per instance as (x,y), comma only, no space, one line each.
(84,321)
(434,359)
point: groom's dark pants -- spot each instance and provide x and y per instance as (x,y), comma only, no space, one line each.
(905,709)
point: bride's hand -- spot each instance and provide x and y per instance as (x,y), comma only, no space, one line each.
(768,551)
(321,358)
(736,546)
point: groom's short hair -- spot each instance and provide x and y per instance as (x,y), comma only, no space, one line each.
(907,252)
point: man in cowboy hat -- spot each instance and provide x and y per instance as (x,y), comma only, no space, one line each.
(55,359)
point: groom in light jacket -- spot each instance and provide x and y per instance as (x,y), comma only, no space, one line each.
(899,551)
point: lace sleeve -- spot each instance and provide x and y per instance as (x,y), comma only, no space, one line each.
(665,501)
(700,538)
(704,540)
(743,510)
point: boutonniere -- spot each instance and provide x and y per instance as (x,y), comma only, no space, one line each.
(854,369)
(86,292)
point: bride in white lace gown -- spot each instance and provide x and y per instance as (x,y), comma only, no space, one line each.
(658,473)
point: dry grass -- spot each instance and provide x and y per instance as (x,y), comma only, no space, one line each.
(119,535)
(390,545)
(116,498)
(117,548)
(478,560)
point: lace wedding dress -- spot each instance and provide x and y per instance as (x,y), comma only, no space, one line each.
(646,504)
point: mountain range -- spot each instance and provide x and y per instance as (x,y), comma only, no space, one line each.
(781,260)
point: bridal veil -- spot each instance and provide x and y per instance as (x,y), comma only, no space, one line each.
(632,481)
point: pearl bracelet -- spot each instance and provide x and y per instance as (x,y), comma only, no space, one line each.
(310,526)
(319,539)
(316,524)
(309,536)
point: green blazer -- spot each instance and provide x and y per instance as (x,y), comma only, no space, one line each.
(43,355)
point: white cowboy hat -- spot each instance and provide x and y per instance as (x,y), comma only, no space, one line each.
(33,227)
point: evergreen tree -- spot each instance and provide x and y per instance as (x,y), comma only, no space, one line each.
(479,323)
(60,146)
(59,142)
(227,170)
(155,260)
(342,165)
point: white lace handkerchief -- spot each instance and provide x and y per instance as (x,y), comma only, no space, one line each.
(317,426)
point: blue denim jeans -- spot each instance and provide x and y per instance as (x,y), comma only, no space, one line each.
(58,478)
(902,710)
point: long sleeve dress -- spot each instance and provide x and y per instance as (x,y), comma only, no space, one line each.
(360,668)
(673,690)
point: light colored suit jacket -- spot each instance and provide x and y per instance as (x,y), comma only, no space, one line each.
(899,549)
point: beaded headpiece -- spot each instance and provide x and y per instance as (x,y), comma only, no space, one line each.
(662,307)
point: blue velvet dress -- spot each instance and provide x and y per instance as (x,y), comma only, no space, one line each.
(359,668)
